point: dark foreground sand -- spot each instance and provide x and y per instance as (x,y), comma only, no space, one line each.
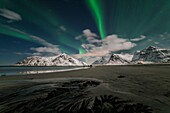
(105,89)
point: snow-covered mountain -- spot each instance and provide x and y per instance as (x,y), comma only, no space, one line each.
(59,60)
(114,59)
(152,55)
(117,60)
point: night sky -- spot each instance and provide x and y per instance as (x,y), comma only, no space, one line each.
(82,28)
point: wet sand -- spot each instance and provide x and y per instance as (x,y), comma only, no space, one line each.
(148,85)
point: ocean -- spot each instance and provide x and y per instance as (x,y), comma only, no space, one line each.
(25,70)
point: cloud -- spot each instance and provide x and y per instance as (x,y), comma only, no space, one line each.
(97,47)
(88,33)
(24,35)
(102,47)
(20,53)
(79,37)
(138,39)
(63,28)
(11,15)
(114,43)
(41,51)
(42,41)
(35,38)
(47,49)
(88,37)
(50,50)
(93,40)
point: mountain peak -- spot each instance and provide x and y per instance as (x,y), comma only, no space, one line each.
(152,48)
(116,59)
(63,54)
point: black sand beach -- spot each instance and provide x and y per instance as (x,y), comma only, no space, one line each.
(108,89)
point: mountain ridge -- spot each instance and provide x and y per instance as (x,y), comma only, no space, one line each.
(149,55)
(114,59)
(152,54)
(59,60)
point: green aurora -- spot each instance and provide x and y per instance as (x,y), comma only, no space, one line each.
(47,21)
(132,18)
(96,9)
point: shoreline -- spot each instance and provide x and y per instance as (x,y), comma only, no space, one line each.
(29,72)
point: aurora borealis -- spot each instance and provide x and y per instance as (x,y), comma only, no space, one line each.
(95,6)
(28,25)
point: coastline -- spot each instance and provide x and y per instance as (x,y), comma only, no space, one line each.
(27,70)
